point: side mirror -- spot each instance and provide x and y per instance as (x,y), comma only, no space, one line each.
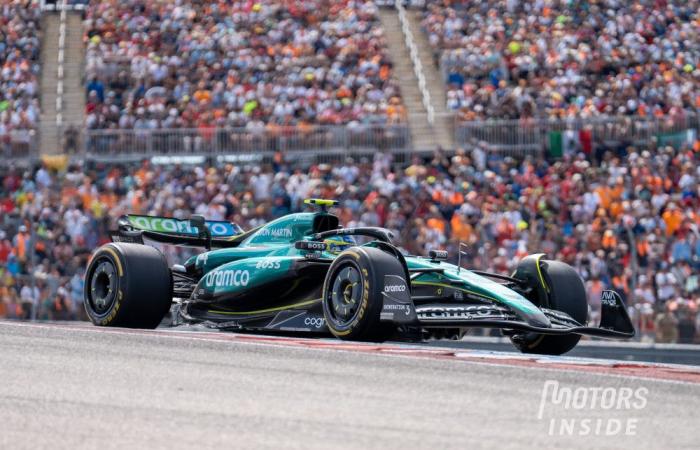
(200,223)
(437,255)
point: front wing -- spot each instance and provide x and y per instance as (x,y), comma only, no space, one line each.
(399,308)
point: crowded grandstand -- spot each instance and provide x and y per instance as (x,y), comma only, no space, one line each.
(19,68)
(599,165)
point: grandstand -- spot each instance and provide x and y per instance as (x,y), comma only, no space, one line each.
(118,79)
(564,126)
(20,30)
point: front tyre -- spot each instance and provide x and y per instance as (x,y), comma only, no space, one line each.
(566,292)
(127,285)
(352,293)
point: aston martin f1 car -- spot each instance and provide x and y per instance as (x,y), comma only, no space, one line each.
(305,273)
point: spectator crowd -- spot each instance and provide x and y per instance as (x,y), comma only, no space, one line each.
(158,64)
(19,70)
(626,219)
(627,222)
(556,58)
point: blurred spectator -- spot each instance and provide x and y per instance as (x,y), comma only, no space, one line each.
(513,59)
(686,327)
(667,327)
(608,220)
(232,64)
(19,70)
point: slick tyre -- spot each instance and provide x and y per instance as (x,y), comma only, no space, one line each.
(567,293)
(127,285)
(352,294)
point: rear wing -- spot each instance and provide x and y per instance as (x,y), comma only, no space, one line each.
(133,228)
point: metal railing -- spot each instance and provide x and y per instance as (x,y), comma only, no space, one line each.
(128,144)
(415,59)
(516,137)
(530,135)
(18,145)
(60,63)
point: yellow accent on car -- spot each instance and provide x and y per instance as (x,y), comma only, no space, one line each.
(320,202)
(539,271)
(536,342)
(262,311)
(116,259)
(336,242)
(338,332)
(428,283)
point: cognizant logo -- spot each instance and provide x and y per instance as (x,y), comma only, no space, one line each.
(316,322)
(224,278)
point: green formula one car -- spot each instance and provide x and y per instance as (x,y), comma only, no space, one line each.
(305,273)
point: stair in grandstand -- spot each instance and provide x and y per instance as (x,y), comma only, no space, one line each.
(435,81)
(72,103)
(424,136)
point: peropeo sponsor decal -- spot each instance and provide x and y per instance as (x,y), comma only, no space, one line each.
(461,312)
(224,278)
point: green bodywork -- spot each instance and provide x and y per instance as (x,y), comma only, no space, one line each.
(472,286)
(268,255)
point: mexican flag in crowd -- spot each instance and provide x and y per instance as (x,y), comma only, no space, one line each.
(569,142)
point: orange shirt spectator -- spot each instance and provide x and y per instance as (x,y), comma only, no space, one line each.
(462,230)
(609,240)
(673,219)
(202,95)
(436,223)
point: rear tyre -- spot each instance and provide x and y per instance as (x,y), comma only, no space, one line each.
(566,293)
(352,294)
(127,285)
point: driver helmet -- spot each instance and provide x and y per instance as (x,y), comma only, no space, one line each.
(337,244)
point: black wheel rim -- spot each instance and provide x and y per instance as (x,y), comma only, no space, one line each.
(103,286)
(345,294)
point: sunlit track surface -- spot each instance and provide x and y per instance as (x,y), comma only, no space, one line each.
(87,387)
(687,354)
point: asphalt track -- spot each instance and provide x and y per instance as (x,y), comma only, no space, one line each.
(597,349)
(77,386)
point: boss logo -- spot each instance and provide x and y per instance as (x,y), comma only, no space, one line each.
(310,245)
(267,264)
(395,288)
